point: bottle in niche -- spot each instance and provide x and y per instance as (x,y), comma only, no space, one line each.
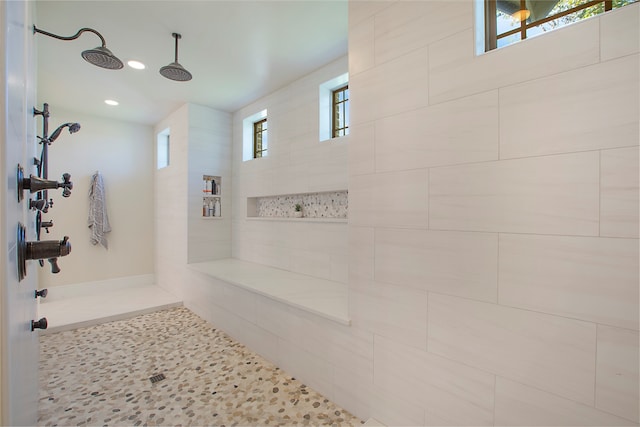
(216,208)
(214,187)
(205,208)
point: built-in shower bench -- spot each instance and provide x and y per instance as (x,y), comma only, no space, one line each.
(319,296)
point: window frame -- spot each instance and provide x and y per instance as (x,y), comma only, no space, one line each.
(259,129)
(338,106)
(491,35)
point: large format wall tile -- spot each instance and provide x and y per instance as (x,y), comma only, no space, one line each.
(589,108)
(455,71)
(588,278)
(620,32)
(361,200)
(546,195)
(390,409)
(451,393)
(396,199)
(361,149)
(460,131)
(382,96)
(411,25)
(548,352)
(361,46)
(391,311)
(454,263)
(519,405)
(619,190)
(361,255)
(400,198)
(617,372)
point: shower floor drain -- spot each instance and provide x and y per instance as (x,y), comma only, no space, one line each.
(156,378)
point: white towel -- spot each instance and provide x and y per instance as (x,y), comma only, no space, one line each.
(98,219)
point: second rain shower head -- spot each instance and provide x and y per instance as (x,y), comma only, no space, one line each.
(99,56)
(175,71)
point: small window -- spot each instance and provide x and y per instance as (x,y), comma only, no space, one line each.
(509,21)
(327,122)
(162,146)
(340,110)
(260,139)
(249,135)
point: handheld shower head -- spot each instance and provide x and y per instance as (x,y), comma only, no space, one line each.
(73,128)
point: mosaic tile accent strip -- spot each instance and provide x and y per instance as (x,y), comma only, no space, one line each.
(334,204)
(100,376)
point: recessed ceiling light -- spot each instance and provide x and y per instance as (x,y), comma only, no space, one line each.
(111,102)
(136,64)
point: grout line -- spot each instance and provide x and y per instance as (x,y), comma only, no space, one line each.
(498,270)
(600,193)
(428,198)
(427,326)
(595,370)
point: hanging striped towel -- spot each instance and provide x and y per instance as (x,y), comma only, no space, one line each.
(98,219)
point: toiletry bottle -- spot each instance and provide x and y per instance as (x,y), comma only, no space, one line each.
(205,208)
(217,208)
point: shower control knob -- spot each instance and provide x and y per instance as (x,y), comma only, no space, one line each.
(54,265)
(39,324)
(66,185)
(37,205)
(42,294)
(46,225)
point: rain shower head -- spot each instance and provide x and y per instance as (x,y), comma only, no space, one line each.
(99,56)
(175,71)
(73,128)
(102,57)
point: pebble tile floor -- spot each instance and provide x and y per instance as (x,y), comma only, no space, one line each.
(100,375)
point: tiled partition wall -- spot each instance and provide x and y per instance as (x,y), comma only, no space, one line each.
(493,224)
(200,143)
(297,163)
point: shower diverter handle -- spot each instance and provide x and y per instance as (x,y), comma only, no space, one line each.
(35,184)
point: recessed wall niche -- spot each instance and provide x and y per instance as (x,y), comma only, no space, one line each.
(211,196)
(325,205)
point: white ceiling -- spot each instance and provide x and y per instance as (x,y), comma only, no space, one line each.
(237,52)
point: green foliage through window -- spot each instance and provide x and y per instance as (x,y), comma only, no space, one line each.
(508,21)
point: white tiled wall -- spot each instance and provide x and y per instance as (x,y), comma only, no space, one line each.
(500,278)
(297,163)
(200,145)
(492,245)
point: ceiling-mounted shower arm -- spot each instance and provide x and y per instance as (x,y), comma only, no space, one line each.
(73,37)
(99,56)
(176,36)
